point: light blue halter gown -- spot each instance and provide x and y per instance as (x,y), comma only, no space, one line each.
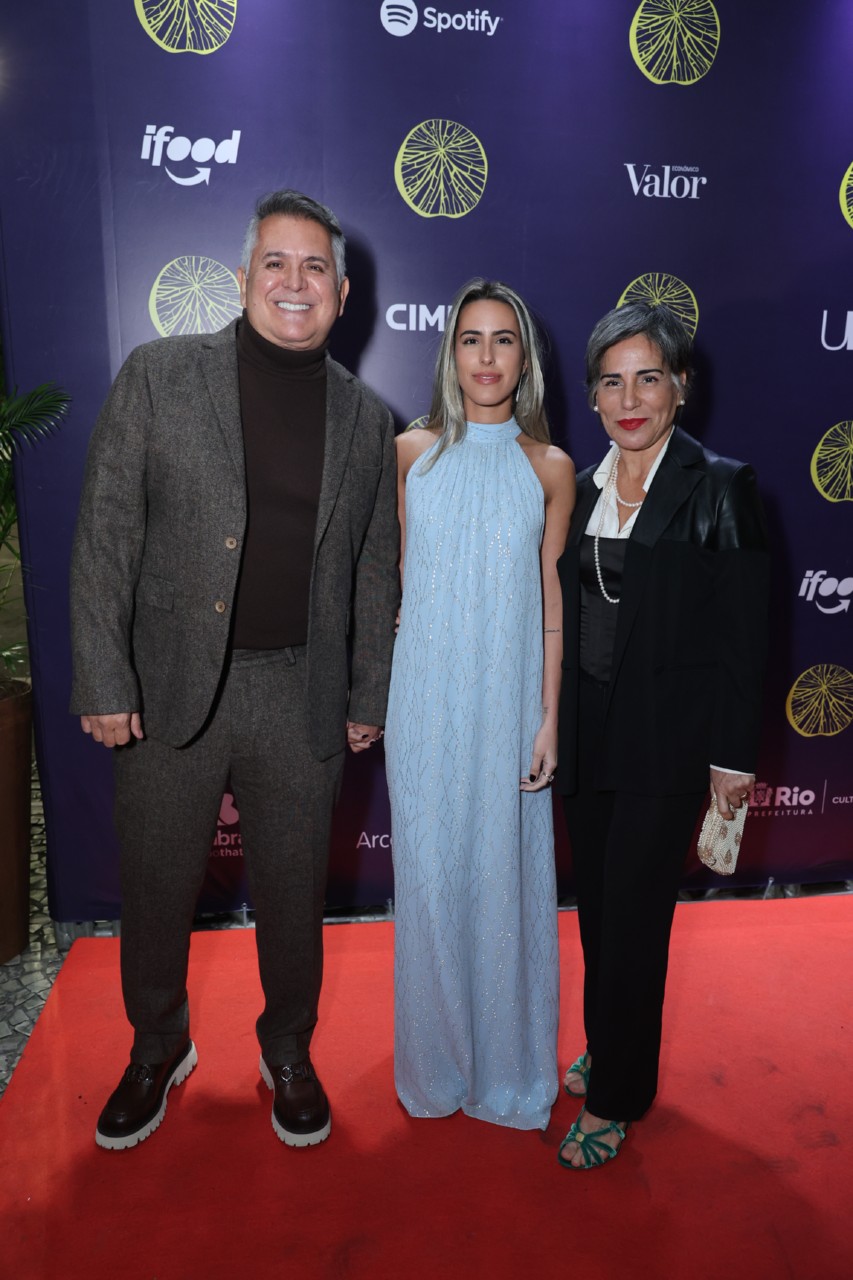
(476,951)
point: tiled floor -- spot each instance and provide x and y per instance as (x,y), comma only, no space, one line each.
(25,982)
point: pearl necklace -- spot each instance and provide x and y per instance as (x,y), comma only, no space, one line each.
(619,498)
(611,485)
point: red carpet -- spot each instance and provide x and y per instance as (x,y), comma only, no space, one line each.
(742,1169)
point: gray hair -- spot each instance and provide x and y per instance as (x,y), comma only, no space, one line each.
(447,412)
(655,322)
(293,204)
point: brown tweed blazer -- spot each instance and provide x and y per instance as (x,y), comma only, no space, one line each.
(157,549)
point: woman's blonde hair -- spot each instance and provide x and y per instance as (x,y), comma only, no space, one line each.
(447,413)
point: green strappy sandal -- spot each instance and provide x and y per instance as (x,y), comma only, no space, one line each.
(592,1148)
(582,1067)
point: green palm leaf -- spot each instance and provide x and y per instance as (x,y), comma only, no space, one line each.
(28,418)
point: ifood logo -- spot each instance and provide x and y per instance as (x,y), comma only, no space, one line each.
(157,143)
(835,592)
(416,316)
(400,17)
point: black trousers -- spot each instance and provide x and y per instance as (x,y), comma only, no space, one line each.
(628,852)
(167,804)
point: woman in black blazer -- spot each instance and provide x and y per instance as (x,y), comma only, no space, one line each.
(665,589)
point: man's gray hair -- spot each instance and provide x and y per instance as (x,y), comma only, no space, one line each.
(293,204)
(655,322)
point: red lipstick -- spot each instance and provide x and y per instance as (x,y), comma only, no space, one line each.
(630,424)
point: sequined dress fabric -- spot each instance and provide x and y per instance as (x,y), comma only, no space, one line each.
(476,950)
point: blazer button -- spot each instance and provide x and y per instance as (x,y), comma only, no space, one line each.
(230,543)
(220,606)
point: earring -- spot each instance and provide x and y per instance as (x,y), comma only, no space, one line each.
(596,409)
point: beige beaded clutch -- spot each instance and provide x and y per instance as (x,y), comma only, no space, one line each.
(719,839)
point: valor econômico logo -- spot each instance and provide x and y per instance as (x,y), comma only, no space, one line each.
(667,182)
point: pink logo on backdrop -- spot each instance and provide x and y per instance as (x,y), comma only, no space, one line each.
(227,844)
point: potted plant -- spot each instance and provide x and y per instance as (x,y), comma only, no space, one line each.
(24,420)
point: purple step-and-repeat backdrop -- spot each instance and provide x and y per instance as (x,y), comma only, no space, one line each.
(686,150)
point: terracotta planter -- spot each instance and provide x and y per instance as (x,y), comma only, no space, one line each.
(15,759)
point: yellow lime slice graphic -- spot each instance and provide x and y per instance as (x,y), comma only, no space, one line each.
(441,169)
(187,26)
(845,195)
(659,287)
(832,464)
(193,295)
(418,422)
(820,703)
(675,41)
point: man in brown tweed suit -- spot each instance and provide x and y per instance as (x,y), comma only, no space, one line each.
(237,527)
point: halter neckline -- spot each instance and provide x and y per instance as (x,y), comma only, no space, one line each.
(492,432)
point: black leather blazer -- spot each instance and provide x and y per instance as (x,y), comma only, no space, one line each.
(688,664)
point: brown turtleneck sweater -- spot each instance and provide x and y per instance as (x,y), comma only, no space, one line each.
(283,408)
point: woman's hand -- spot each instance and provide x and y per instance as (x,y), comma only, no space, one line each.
(731,790)
(544,760)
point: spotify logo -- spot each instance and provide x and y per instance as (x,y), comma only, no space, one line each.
(399,17)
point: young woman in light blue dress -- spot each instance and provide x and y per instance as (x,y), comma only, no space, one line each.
(471,731)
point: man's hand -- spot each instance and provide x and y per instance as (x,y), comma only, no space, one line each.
(731,790)
(362,736)
(113,730)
